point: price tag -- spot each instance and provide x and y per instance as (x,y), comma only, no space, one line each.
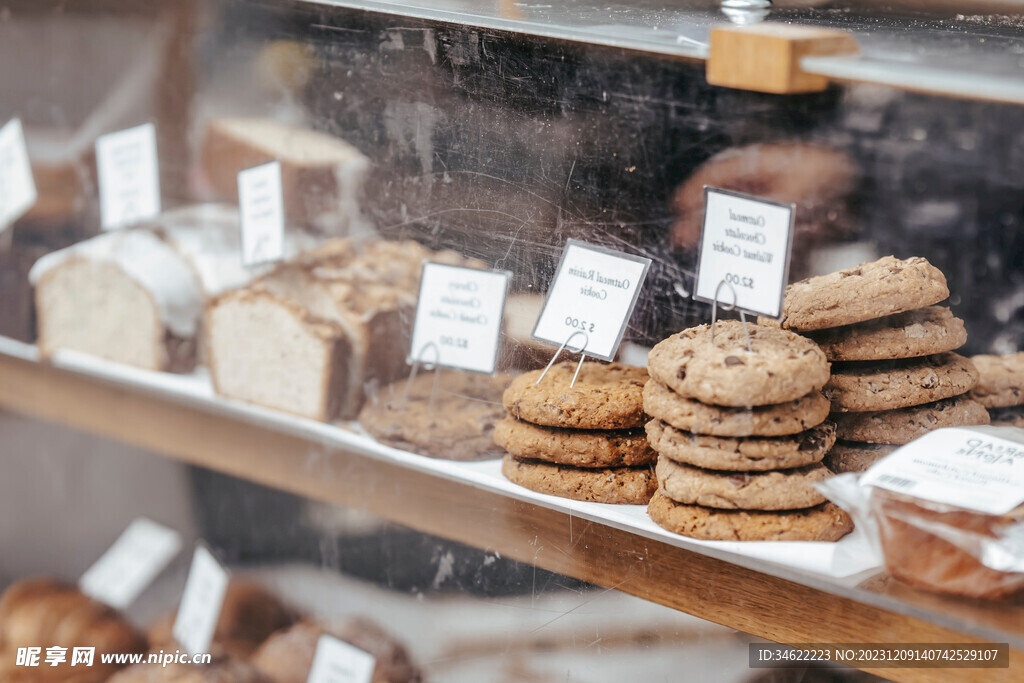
(17,187)
(977,468)
(745,242)
(129,176)
(336,661)
(130,565)
(200,603)
(261,206)
(593,293)
(459,311)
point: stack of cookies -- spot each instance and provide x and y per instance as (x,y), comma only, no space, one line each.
(740,435)
(894,377)
(1000,388)
(584,441)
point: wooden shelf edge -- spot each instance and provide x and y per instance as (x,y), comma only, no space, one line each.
(712,589)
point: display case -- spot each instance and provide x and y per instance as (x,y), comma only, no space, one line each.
(273,407)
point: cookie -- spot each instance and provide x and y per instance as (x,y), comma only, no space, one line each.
(903,425)
(621,485)
(605,396)
(920,332)
(885,385)
(689,415)
(782,367)
(1000,380)
(1013,416)
(741,454)
(773,490)
(459,426)
(850,456)
(820,523)
(576,447)
(868,291)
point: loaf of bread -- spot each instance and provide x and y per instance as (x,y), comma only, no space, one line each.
(220,671)
(46,613)
(287,656)
(321,175)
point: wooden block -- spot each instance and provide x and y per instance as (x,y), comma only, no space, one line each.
(766,57)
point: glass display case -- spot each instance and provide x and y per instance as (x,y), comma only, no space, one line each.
(266,406)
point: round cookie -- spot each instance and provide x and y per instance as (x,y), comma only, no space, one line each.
(851,456)
(782,367)
(619,485)
(689,415)
(605,396)
(820,523)
(1012,416)
(575,447)
(885,385)
(920,332)
(903,425)
(741,454)
(772,490)
(1000,380)
(870,290)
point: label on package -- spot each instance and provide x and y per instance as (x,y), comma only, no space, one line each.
(261,206)
(132,562)
(200,603)
(745,243)
(591,299)
(129,176)
(17,187)
(336,661)
(977,468)
(458,317)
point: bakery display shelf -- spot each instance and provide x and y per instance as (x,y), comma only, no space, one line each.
(787,592)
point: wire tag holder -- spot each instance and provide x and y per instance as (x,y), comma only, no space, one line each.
(434,366)
(566,345)
(731,307)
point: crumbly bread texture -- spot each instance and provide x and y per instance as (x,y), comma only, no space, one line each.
(903,425)
(575,447)
(865,292)
(1000,380)
(691,415)
(773,490)
(782,367)
(885,385)
(920,332)
(605,396)
(741,454)
(826,522)
(618,485)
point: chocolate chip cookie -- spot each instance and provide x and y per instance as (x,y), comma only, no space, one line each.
(605,396)
(920,332)
(1000,380)
(775,490)
(773,420)
(741,453)
(885,385)
(903,425)
(576,447)
(619,485)
(851,456)
(868,291)
(782,367)
(825,522)
(1012,416)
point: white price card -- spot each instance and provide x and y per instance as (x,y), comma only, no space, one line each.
(200,603)
(17,187)
(261,206)
(129,176)
(591,299)
(458,317)
(130,565)
(336,661)
(977,468)
(745,244)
